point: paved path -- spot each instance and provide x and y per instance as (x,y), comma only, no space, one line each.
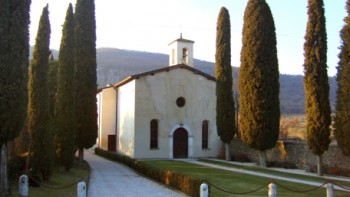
(109,178)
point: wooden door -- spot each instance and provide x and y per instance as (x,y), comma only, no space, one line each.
(180,143)
(111,143)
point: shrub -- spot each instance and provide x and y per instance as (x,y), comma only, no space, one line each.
(241,158)
(337,171)
(286,165)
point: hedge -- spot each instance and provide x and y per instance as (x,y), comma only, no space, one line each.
(184,183)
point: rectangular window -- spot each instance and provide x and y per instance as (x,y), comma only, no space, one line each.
(154,134)
(205,125)
(173,56)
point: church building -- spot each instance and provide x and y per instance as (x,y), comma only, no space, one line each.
(161,114)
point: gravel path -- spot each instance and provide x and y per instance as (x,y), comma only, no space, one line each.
(109,178)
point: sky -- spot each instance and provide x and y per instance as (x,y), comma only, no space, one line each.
(150,25)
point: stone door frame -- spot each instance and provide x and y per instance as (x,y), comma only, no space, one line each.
(190,140)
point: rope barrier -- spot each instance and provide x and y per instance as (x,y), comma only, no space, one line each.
(50,187)
(341,186)
(299,191)
(236,193)
(278,184)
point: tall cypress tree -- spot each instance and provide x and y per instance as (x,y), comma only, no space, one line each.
(65,105)
(342,124)
(225,108)
(317,107)
(52,84)
(258,80)
(41,147)
(86,79)
(14,54)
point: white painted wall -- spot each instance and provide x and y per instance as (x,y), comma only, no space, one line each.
(107,100)
(126,119)
(156,99)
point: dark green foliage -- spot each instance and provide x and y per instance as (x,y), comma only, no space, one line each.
(258,80)
(41,147)
(185,183)
(52,84)
(14,54)
(342,124)
(316,85)
(85,67)
(65,123)
(225,108)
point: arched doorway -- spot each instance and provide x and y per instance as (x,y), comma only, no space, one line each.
(180,143)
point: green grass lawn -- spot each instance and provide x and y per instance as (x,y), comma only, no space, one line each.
(278,173)
(59,179)
(238,183)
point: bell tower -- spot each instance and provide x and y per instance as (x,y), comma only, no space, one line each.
(181,52)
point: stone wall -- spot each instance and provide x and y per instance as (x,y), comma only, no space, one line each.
(296,152)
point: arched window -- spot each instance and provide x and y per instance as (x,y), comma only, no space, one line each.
(205,131)
(154,134)
(185,56)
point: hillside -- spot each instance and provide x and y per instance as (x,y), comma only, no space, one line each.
(116,64)
(113,65)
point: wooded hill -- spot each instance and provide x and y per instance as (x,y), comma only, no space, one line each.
(113,65)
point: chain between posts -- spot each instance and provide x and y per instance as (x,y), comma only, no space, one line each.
(242,193)
(299,191)
(278,184)
(50,187)
(340,186)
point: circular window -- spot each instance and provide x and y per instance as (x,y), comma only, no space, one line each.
(180,102)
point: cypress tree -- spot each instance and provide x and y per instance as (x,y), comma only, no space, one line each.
(258,80)
(86,79)
(342,124)
(41,147)
(14,54)
(225,108)
(65,104)
(316,87)
(52,84)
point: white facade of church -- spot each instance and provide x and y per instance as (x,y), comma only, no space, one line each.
(166,113)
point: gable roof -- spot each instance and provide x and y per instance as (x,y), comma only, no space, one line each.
(165,69)
(181,40)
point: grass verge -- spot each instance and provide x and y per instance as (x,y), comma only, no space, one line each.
(61,184)
(237,182)
(278,173)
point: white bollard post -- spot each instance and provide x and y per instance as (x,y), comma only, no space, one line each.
(272,190)
(330,190)
(81,189)
(204,190)
(23,186)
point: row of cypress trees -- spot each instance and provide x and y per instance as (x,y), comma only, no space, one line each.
(51,115)
(72,124)
(258,81)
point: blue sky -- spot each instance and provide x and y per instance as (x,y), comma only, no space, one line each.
(151,25)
